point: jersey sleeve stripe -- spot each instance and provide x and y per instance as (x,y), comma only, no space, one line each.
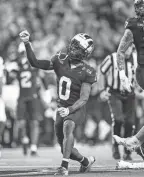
(106,65)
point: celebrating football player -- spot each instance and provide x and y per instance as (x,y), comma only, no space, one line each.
(74,80)
(134,33)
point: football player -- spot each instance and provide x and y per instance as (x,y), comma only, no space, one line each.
(134,33)
(28,108)
(74,80)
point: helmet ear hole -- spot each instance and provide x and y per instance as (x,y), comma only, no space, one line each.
(91,43)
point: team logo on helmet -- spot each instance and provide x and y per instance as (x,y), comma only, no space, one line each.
(81,46)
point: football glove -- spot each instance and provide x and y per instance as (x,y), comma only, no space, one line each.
(104,95)
(126,84)
(63,111)
(24,36)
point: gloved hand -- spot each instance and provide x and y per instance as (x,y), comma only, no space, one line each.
(104,95)
(24,36)
(63,111)
(126,84)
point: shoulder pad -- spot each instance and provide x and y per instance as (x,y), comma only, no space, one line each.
(61,56)
(130,23)
(91,75)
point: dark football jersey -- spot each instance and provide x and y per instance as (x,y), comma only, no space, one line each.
(136,25)
(69,81)
(27,78)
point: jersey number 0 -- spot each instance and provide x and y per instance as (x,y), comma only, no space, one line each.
(64,91)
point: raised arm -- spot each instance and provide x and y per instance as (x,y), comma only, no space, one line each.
(41,64)
(125,42)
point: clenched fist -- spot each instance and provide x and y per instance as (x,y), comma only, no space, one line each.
(126,84)
(104,95)
(24,36)
(63,111)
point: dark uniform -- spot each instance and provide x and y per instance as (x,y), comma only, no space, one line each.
(69,82)
(28,102)
(136,26)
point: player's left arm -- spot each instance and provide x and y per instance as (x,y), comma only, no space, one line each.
(84,96)
(90,79)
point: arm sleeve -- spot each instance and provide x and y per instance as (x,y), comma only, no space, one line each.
(84,96)
(105,65)
(41,64)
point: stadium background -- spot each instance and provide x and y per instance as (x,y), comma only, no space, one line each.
(51,24)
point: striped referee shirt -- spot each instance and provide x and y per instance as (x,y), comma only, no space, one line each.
(110,69)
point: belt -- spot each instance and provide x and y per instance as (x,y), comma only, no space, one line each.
(122,93)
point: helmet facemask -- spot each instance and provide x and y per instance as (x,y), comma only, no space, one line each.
(80,47)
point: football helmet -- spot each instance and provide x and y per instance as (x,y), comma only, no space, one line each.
(139,7)
(80,47)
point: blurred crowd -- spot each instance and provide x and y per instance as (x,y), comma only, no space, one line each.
(51,24)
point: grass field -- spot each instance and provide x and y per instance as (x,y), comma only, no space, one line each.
(13,163)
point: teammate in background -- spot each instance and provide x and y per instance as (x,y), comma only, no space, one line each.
(2,104)
(74,80)
(121,101)
(134,33)
(28,107)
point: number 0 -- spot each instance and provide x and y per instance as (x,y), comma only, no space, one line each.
(66,95)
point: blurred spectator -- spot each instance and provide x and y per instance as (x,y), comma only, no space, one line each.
(103,19)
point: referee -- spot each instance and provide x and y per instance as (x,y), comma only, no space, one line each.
(121,102)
